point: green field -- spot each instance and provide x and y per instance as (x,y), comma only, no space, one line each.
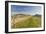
(30,22)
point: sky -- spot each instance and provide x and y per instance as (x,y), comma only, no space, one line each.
(19,9)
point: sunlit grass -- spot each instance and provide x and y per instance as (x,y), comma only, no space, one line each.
(33,22)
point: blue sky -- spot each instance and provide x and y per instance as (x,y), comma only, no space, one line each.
(19,9)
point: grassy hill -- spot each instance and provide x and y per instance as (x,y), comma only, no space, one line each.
(25,21)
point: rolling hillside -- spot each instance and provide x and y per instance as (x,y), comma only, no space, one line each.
(25,21)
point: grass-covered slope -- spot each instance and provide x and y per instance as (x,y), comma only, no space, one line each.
(30,22)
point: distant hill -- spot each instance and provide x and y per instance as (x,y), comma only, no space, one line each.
(37,15)
(19,15)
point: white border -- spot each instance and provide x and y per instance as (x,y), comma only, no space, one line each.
(24,29)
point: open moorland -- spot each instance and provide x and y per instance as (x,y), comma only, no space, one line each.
(25,21)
